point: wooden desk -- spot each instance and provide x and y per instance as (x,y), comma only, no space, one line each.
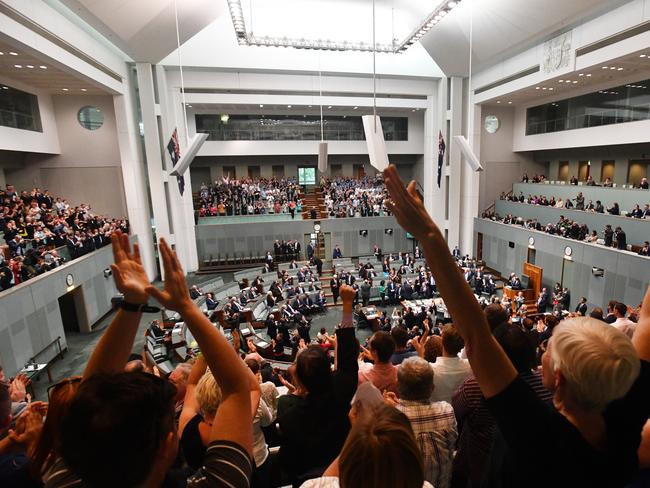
(529,293)
(372,316)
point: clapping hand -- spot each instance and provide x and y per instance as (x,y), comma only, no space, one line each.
(18,388)
(175,295)
(28,427)
(129,274)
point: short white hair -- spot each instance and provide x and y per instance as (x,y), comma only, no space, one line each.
(598,362)
(415,379)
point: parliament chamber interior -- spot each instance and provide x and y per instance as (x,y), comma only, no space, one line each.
(320,243)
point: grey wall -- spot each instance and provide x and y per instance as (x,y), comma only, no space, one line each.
(626,276)
(213,239)
(626,198)
(502,166)
(30,318)
(88,170)
(636,230)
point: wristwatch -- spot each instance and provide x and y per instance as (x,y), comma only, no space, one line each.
(138,307)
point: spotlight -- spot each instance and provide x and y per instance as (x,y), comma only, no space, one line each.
(225,118)
(363,233)
(388,232)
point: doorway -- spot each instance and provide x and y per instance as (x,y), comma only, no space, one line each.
(583,170)
(531,256)
(637,170)
(358,171)
(73,312)
(563,173)
(567,273)
(479,246)
(253,172)
(229,172)
(278,171)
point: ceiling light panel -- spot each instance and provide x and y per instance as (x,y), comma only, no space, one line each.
(316,25)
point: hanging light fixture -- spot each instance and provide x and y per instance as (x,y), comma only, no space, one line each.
(322,145)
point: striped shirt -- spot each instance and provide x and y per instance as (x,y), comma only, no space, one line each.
(477,425)
(226,464)
(434,426)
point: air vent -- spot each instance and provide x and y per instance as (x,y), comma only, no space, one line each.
(503,81)
(613,39)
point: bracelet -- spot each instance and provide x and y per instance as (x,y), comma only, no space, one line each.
(138,307)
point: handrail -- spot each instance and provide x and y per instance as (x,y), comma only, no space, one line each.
(492,206)
(59,353)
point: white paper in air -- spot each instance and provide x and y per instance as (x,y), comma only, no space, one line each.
(375,141)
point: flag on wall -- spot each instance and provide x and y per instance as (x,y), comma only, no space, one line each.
(441,156)
(175,153)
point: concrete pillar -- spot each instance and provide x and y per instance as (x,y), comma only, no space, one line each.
(574,167)
(621,168)
(134,178)
(434,197)
(553,170)
(152,148)
(455,169)
(3,180)
(179,208)
(469,198)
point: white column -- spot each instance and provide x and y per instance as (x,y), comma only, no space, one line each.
(3,181)
(434,197)
(455,115)
(469,198)
(134,179)
(152,149)
(181,207)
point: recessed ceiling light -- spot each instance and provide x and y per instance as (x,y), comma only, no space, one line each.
(288,106)
(64,89)
(310,106)
(261,105)
(612,67)
(345,116)
(509,103)
(18,65)
(189,106)
(605,67)
(642,55)
(544,88)
(5,87)
(83,89)
(355,108)
(42,66)
(536,88)
(575,81)
(413,110)
(30,66)
(13,53)
(551,88)
(329,106)
(588,75)
(581,74)
(498,101)
(620,69)
(560,81)
(452,4)
(1,53)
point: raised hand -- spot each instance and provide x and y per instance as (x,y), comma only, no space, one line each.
(406,205)
(129,274)
(176,295)
(18,388)
(347,294)
(28,428)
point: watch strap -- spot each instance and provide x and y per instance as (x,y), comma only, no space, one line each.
(138,307)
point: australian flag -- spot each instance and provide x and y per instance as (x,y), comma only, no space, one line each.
(175,153)
(441,155)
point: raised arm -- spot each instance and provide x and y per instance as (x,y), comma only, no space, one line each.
(190,404)
(490,365)
(113,349)
(641,337)
(229,371)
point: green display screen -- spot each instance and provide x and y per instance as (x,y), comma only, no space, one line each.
(306,176)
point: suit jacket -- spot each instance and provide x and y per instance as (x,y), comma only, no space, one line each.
(336,254)
(211,304)
(542,302)
(582,309)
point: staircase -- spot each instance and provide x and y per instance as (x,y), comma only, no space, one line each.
(313,198)
(325,283)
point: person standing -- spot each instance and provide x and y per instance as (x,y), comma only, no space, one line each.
(334,285)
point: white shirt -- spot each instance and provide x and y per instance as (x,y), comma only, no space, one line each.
(448,375)
(625,325)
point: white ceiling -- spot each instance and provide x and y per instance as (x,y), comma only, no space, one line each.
(49,78)
(502,28)
(146,29)
(273,109)
(603,76)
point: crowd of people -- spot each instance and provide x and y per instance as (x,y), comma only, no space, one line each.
(611,237)
(580,204)
(348,197)
(250,196)
(589,181)
(465,405)
(35,225)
